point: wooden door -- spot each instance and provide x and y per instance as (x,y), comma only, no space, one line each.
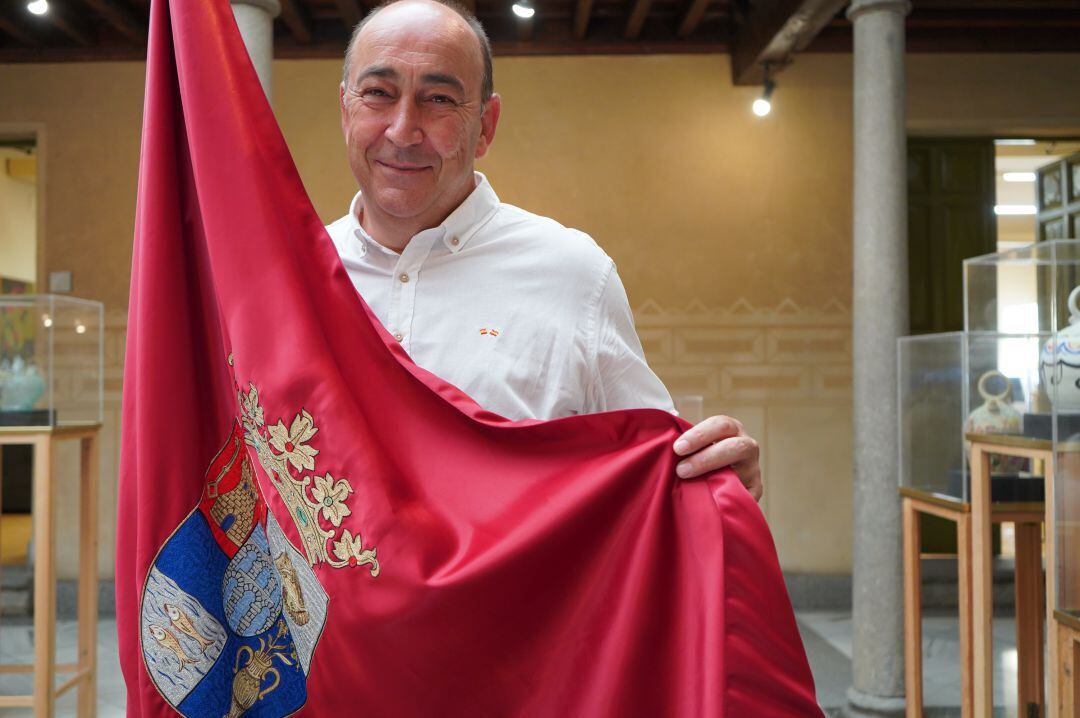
(950,218)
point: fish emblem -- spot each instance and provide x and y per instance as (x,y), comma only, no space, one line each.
(167,640)
(182,622)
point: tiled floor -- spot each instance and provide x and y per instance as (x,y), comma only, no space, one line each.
(827,636)
(16,646)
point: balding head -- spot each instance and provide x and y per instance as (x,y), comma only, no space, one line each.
(408,10)
(415,114)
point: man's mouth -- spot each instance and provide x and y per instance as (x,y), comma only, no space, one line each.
(399,167)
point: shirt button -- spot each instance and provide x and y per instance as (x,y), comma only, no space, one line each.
(399,336)
(454,241)
(403,277)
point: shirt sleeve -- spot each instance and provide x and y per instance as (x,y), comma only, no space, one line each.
(621,378)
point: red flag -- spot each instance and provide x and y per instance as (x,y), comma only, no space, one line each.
(308,521)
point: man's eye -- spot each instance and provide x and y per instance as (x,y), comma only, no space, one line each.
(373,92)
(442,99)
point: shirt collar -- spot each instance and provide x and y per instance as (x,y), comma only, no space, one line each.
(458,228)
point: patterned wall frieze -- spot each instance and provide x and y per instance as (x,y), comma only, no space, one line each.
(762,356)
(741,312)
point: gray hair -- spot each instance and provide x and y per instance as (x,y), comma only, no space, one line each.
(487,85)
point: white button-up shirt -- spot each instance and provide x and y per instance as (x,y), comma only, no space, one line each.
(525,316)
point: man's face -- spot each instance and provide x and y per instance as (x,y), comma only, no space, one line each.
(411,111)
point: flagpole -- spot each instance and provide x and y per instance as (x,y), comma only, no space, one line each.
(255,18)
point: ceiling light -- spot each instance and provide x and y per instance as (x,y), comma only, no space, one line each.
(523,9)
(1018,176)
(38,7)
(1020,143)
(1011,210)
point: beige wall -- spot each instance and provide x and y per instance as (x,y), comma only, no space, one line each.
(732,233)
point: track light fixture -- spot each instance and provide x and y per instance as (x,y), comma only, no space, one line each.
(38,7)
(523,9)
(763,105)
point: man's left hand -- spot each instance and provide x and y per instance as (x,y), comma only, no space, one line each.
(718,442)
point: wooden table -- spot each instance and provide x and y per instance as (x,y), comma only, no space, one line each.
(44,667)
(1028,578)
(1028,518)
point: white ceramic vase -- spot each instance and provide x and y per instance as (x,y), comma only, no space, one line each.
(996,415)
(1059,362)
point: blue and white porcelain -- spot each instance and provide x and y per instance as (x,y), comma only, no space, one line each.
(1059,361)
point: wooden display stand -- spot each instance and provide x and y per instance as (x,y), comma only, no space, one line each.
(1030,584)
(1028,518)
(1065,631)
(44,667)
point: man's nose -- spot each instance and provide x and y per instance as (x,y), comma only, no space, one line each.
(404,129)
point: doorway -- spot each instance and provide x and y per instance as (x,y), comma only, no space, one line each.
(19,204)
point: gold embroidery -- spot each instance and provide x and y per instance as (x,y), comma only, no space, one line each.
(285,453)
(212,486)
(247,687)
(239,502)
(183,623)
(290,584)
(168,641)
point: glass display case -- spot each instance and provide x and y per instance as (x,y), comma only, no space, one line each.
(1038,288)
(959,383)
(50,360)
(1008,387)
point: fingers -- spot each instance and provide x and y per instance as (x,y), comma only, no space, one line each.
(754,485)
(709,431)
(736,452)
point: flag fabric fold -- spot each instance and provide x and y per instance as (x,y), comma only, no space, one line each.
(310,522)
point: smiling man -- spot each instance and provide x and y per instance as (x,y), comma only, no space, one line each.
(526,316)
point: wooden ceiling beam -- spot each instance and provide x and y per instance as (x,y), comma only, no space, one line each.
(525,28)
(771,32)
(1017,22)
(296,19)
(1035,6)
(581,18)
(75,29)
(17,30)
(637,17)
(837,38)
(350,13)
(692,17)
(120,17)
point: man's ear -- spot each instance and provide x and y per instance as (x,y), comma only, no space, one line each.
(341,106)
(489,121)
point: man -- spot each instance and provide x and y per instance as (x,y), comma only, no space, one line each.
(524,315)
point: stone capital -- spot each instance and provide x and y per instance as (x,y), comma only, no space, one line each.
(862,7)
(272,7)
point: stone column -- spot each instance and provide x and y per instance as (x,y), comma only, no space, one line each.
(255,18)
(880,315)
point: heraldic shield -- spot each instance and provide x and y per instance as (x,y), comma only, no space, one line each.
(231,612)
